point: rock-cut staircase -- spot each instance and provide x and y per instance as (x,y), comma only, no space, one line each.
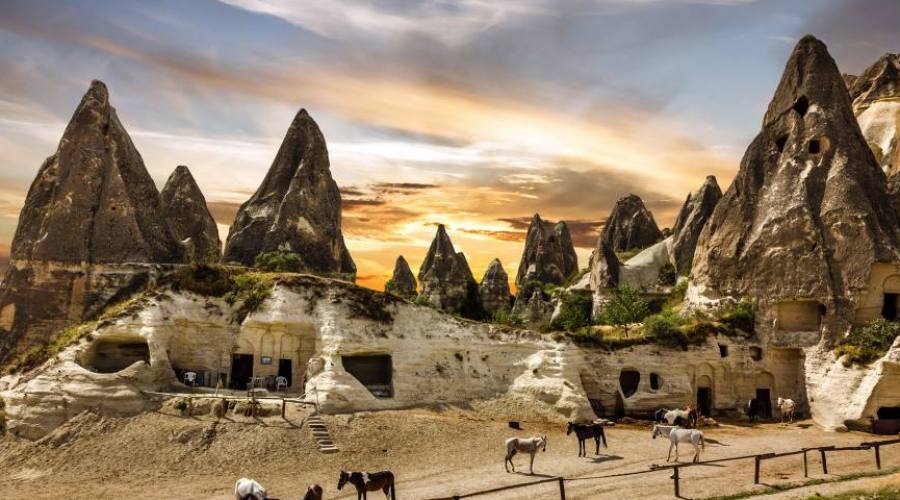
(320,432)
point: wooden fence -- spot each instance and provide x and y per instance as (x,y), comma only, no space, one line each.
(757,458)
(252,399)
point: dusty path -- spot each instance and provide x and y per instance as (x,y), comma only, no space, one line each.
(433,454)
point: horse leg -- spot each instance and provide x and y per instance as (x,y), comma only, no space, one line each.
(531,465)
(669,456)
(676,451)
(597,445)
(582,448)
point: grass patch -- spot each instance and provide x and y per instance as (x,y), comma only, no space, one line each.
(504,317)
(574,313)
(248,292)
(627,254)
(770,490)
(865,344)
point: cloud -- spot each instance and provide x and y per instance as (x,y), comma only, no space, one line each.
(449,22)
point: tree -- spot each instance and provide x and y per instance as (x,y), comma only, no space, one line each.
(626,307)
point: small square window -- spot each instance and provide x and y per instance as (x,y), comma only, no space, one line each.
(723,350)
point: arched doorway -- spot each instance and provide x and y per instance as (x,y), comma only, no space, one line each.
(765,385)
(890,307)
(705,394)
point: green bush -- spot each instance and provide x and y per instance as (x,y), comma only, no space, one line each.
(865,344)
(422,300)
(575,312)
(676,295)
(667,276)
(740,316)
(626,307)
(279,261)
(665,329)
(249,291)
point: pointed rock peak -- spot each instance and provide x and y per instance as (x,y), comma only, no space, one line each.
(879,81)
(809,186)
(692,217)
(810,79)
(495,269)
(297,207)
(181,176)
(549,255)
(604,267)
(630,225)
(402,282)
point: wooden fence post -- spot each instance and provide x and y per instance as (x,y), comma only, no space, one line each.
(675,479)
(805,464)
(756,461)
(562,489)
(282,407)
(877,457)
(824,462)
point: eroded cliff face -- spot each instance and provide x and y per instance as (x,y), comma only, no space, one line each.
(435,358)
(296,208)
(186,211)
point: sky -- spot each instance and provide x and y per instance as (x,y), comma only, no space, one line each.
(471,113)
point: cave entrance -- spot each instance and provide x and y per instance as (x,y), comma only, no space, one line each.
(764,396)
(704,400)
(241,371)
(889,306)
(112,355)
(629,381)
(375,372)
(286,370)
(888,421)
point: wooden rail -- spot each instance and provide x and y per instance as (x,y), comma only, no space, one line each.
(758,458)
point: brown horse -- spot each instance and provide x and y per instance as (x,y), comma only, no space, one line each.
(314,492)
(369,481)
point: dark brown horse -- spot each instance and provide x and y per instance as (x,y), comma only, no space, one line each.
(369,481)
(314,492)
(585,432)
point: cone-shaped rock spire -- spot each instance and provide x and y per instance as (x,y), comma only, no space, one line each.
(806,217)
(549,255)
(494,289)
(696,210)
(630,225)
(186,210)
(402,282)
(93,200)
(296,208)
(445,276)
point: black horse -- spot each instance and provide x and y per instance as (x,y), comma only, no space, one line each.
(369,481)
(584,432)
(754,408)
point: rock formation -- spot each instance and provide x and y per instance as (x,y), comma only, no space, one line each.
(630,225)
(92,206)
(296,208)
(806,217)
(402,282)
(604,272)
(494,289)
(694,213)
(876,102)
(185,208)
(445,277)
(549,255)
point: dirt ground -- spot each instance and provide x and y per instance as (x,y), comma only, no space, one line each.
(434,453)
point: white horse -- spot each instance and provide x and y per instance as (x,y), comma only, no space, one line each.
(248,489)
(524,445)
(678,435)
(787,407)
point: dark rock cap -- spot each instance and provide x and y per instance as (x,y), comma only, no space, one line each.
(403,282)
(186,210)
(93,200)
(630,225)
(296,208)
(807,214)
(445,276)
(549,255)
(697,209)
